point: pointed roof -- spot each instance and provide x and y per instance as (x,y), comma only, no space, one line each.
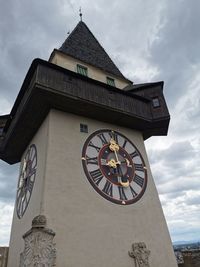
(81,44)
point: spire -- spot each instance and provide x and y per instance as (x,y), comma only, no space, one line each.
(81,44)
(80,14)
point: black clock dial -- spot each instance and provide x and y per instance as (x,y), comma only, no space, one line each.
(26,180)
(111,168)
(114,167)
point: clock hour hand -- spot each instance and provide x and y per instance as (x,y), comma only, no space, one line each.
(122,179)
(127,162)
(115,148)
(23,175)
(112,163)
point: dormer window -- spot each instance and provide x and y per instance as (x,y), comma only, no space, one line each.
(110,81)
(156,102)
(82,70)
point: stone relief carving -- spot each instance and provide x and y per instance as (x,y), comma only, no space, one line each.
(39,250)
(140,254)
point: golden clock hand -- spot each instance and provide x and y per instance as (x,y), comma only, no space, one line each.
(117,157)
(115,148)
(113,145)
(112,163)
(23,175)
(127,162)
(123,183)
(21,183)
(24,166)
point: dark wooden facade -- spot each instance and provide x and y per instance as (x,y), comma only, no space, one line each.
(48,86)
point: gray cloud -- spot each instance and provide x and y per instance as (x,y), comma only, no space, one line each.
(193,200)
(175,50)
(178,151)
(28,30)
(8,182)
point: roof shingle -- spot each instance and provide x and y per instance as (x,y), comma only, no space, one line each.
(81,44)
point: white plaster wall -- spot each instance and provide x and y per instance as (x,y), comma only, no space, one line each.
(90,230)
(70,63)
(20,226)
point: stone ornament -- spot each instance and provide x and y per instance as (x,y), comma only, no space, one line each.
(140,254)
(39,250)
(39,221)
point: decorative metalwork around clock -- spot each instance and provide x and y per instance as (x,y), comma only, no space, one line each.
(26,180)
(114,167)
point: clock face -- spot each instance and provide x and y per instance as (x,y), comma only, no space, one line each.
(114,167)
(26,180)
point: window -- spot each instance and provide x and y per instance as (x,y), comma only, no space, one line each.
(110,81)
(83,128)
(82,70)
(156,102)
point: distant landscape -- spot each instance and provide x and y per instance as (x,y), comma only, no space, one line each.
(185,242)
(186,245)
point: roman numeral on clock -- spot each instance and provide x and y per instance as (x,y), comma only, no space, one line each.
(134,154)
(92,160)
(19,204)
(94,146)
(138,180)
(114,136)
(139,167)
(133,191)
(32,172)
(103,139)
(108,188)
(96,176)
(30,185)
(122,194)
(24,200)
(124,144)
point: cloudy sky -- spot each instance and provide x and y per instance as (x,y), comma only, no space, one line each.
(149,40)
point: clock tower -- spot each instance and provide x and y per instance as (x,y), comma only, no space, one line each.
(78,128)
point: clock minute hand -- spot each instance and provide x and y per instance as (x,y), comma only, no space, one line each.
(123,180)
(115,148)
(112,163)
(23,175)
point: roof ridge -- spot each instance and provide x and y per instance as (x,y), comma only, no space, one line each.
(102,47)
(70,34)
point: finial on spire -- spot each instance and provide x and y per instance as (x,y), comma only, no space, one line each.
(80,14)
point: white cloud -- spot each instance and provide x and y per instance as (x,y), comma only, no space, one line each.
(183,220)
(5,106)
(176,170)
(6,214)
